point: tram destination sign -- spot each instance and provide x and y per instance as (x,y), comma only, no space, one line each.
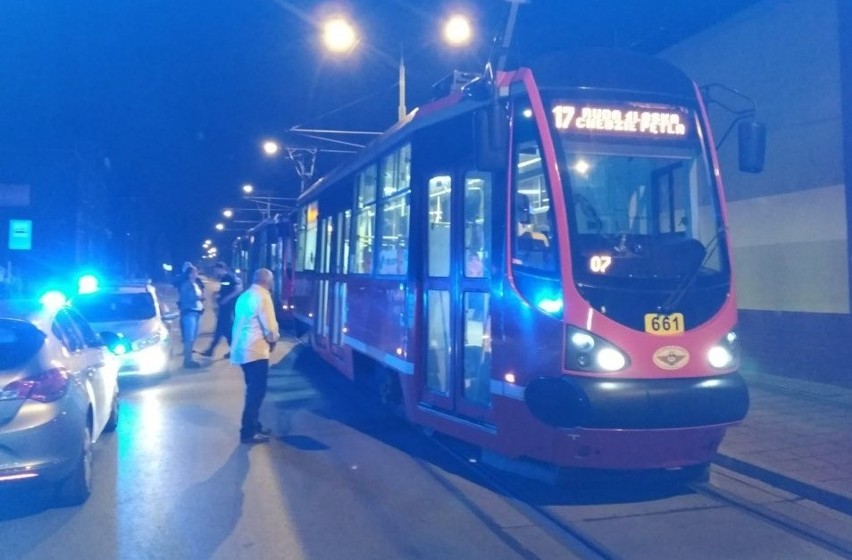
(621,120)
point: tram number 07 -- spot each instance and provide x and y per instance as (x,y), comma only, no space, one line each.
(600,263)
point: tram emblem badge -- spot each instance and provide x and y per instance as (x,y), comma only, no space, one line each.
(671,357)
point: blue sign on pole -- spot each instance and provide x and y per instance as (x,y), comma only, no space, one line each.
(20,235)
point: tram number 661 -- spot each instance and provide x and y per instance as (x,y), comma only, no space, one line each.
(600,263)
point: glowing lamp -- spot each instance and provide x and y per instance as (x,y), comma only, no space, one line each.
(87,284)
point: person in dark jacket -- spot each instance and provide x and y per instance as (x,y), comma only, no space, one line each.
(230,287)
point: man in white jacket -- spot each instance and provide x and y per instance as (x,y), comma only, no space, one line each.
(255,331)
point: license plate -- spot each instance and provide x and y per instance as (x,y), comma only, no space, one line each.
(664,325)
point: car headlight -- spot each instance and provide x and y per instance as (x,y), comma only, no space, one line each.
(725,353)
(588,352)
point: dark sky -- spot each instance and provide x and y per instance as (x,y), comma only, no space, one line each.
(179,93)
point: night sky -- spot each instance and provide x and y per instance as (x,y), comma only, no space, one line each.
(171,98)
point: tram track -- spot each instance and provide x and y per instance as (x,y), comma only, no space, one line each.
(786,523)
(568,535)
(579,542)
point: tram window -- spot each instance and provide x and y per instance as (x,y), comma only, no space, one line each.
(440,218)
(310,248)
(438,353)
(365,221)
(477,348)
(477,224)
(534,223)
(396,171)
(301,236)
(534,244)
(366,186)
(344,222)
(393,255)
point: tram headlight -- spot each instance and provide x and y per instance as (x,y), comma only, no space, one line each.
(588,352)
(724,354)
(610,359)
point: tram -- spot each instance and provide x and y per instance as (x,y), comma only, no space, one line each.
(269,244)
(538,263)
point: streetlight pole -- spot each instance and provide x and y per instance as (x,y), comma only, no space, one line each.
(401,111)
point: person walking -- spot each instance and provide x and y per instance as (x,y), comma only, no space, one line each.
(191,305)
(230,287)
(254,335)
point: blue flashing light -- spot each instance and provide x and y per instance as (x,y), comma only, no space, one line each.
(551,306)
(87,284)
(53,299)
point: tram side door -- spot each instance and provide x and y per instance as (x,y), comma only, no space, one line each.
(334,262)
(456,293)
(321,323)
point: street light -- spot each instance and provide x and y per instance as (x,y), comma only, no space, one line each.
(339,35)
(220,227)
(208,242)
(271,147)
(457,30)
(248,188)
(228,213)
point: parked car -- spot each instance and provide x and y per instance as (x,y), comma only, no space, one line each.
(58,394)
(134,324)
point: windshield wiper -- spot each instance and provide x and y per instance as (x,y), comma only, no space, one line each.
(683,287)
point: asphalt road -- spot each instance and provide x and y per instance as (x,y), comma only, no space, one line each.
(342,479)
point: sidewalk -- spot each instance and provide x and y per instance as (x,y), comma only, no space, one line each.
(799,430)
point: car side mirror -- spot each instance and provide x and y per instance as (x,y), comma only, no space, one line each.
(751,137)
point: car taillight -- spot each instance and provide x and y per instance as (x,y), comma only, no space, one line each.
(48,386)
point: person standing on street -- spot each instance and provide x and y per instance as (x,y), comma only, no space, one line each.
(255,333)
(191,305)
(230,288)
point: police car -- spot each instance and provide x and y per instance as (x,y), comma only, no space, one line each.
(133,322)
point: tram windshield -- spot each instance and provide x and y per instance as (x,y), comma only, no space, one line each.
(639,194)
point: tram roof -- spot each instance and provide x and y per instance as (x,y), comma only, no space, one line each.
(593,69)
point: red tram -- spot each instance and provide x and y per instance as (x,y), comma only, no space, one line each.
(537,264)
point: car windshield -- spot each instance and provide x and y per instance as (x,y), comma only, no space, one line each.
(639,195)
(19,341)
(110,307)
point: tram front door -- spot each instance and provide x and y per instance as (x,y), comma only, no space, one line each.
(455,377)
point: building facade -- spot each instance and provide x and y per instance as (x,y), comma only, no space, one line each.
(790,225)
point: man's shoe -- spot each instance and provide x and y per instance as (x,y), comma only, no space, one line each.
(191,365)
(256,438)
(227,356)
(207,353)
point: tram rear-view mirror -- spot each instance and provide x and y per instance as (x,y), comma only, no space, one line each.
(751,137)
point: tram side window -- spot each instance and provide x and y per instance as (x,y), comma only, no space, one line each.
(477,224)
(300,235)
(534,245)
(310,245)
(396,171)
(395,212)
(393,256)
(365,221)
